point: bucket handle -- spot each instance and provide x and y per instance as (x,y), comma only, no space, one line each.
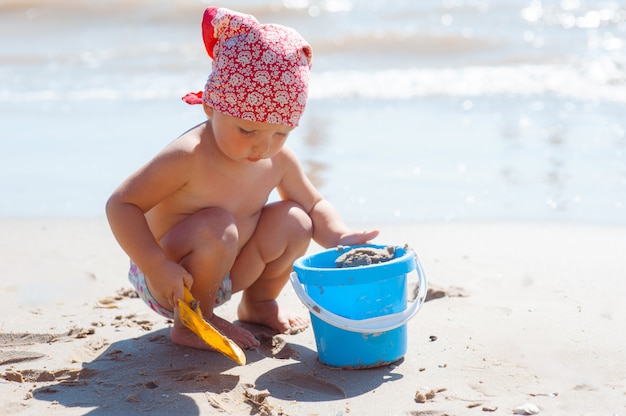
(369,325)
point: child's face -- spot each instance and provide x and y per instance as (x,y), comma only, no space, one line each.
(244,140)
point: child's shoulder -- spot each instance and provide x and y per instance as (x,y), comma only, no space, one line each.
(185,149)
(288,155)
(288,160)
(190,139)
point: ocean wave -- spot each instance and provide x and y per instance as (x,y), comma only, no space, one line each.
(602,80)
(407,44)
(596,81)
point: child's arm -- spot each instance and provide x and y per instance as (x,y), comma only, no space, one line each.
(329,229)
(126,210)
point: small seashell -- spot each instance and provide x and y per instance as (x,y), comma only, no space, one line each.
(420,398)
(526,409)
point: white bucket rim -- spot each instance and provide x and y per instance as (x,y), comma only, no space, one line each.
(375,324)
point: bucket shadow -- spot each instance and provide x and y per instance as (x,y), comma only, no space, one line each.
(145,374)
(317,382)
(310,380)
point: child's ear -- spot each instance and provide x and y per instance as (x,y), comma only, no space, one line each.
(208,110)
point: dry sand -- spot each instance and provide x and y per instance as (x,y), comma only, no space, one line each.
(527,313)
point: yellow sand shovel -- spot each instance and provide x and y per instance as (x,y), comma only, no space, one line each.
(191,316)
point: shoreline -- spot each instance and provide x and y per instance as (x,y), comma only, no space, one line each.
(530,313)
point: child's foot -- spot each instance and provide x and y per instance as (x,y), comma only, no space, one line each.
(182,335)
(270,314)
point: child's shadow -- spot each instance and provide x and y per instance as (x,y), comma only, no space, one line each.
(153,375)
(144,374)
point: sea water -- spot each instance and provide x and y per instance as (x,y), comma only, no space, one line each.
(430,110)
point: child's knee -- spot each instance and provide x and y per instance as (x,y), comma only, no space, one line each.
(215,231)
(298,220)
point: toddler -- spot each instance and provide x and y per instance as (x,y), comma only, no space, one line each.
(197,214)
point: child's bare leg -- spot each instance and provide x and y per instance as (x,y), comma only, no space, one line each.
(205,244)
(262,268)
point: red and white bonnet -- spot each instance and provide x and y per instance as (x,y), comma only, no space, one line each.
(260,71)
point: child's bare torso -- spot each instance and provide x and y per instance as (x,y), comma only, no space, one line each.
(241,188)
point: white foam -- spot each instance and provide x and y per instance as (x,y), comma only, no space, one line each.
(595,81)
(598,81)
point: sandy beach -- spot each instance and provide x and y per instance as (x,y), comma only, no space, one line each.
(489,136)
(520,314)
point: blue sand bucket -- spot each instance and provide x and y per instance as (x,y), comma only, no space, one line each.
(359,314)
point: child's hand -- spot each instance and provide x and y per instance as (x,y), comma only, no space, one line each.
(169,281)
(354,238)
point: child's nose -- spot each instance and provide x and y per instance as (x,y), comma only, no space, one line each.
(262,147)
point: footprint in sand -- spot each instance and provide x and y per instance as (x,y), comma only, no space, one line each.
(309,382)
(272,344)
(13,356)
(275,346)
